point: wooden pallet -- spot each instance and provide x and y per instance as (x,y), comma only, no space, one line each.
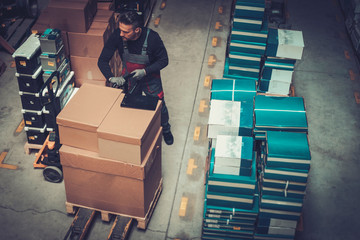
(142,223)
(29,147)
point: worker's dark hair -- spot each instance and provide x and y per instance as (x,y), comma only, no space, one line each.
(131,18)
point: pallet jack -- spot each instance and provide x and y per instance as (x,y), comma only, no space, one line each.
(48,157)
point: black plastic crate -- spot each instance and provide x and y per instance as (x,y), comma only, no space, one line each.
(27,56)
(34,118)
(36,135)
(31,101)
(30,83)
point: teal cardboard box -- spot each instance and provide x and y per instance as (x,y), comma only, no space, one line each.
(233,89)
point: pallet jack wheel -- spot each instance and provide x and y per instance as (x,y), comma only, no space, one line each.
(53,174)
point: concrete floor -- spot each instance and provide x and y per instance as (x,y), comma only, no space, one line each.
(31,208)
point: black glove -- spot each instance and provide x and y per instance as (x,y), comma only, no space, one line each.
(117,82)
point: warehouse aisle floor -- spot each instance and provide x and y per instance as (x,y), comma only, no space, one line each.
(31,208)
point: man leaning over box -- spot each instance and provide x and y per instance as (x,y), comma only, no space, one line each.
(142,53)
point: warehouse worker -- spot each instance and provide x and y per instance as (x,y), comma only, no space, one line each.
(142,53)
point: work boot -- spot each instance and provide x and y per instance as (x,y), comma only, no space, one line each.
(168,138)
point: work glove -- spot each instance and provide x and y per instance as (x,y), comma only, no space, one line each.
(138,74)
(117,82)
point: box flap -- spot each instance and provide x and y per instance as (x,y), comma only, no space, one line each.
(91,161)
(88,107)
(127,124)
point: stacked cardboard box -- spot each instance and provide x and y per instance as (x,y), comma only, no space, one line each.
(283,48)
(85,29)
(247,40)
(258,70)
(279,114)
(233,90)
(285,165)
(111,156)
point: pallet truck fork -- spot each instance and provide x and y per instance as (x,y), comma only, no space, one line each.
(48,157)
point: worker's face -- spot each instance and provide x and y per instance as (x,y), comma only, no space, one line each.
(128,33)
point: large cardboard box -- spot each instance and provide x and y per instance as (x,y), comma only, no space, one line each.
(106,16)
(71,16)
(104,184)
(89,44)
(79,82)
(86,68)
(81,117)
(126,133)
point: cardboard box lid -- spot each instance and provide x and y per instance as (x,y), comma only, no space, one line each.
(127,124)
(91,161)
(88,107)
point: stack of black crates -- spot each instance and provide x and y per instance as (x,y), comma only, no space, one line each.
(36,59)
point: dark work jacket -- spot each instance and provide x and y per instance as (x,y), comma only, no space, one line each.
(156,50)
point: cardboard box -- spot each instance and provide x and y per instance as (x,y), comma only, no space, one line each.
(105,5)
(80,82)
(126,134)
(86,68)
(89,44)
(109,185)
(71,16)
(81,117)
(106,16)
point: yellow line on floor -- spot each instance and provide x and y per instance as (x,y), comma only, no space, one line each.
(4,165)
(197,134)
(20,127)
(183,206)
(191,166)
(207,81)
(202,106)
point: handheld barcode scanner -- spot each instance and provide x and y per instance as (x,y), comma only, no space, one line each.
(137,101)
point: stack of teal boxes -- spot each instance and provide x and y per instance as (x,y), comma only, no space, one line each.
(279,114)
(285,163)
(247,40)
(231,204)
(283,48)
(259,152)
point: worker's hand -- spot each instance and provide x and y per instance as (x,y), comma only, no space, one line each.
(117,82)
(139,74)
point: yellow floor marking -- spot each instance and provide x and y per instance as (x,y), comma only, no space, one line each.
(347,54)
(163,5)
(215,41)
(212,60)
(157,21)
(352,75)
(221,10)
(20,127)
(218,25)
(191,166)
(197,134)
(207,81)
(4,165)
(202,106)
(183,205)
(357,97)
